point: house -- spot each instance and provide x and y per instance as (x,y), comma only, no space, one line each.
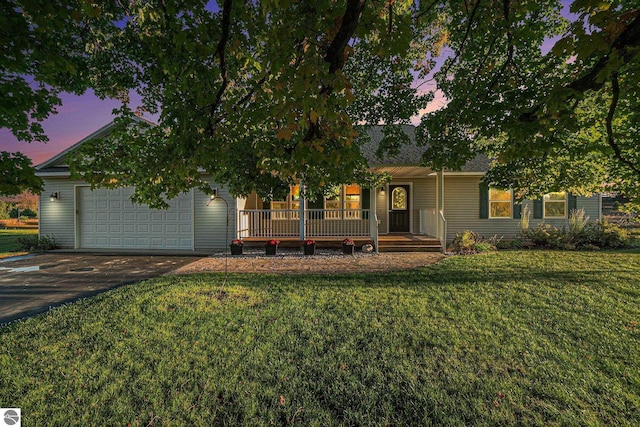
(419,204)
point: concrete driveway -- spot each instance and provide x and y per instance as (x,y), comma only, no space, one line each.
(32,284)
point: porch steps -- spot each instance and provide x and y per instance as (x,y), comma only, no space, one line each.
(408,243)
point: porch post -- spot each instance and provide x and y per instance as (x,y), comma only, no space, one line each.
(303,208)
(373,218)
(440,190)
(442,225)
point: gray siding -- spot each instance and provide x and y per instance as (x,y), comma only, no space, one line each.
(423,196)
(462,205)
(210,221)
(57,219)
(381,211)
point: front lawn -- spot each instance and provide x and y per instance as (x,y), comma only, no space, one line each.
(9,245)
(509,338)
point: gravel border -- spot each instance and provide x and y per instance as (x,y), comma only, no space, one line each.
(325,261)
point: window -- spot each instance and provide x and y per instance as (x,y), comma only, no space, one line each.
(555,205)
(500,203)
(352,201)
(343,202)
(332,204)
(292,203)
(399,199)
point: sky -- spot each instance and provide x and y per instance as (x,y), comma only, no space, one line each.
(80,116)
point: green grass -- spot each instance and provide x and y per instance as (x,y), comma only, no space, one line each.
(509,338)
(9,240)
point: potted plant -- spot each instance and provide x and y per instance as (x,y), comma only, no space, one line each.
(236,247)
(309,247)
(271,247)
(348,246)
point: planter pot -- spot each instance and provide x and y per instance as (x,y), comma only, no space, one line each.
(236,249)
(310,249)
(271,249)
(348,249)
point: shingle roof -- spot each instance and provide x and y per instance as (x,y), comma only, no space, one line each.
(410,154)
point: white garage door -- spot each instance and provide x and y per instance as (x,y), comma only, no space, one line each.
(108,219)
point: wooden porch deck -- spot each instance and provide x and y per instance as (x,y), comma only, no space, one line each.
(388,242)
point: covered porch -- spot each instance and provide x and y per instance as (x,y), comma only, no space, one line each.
(365,215)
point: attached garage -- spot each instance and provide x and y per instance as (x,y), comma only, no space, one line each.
(107,219)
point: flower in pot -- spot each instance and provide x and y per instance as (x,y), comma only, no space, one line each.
(348,246)
(309,247)
(271,247)
(236,247)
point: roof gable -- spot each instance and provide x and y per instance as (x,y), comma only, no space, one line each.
(58,162)
(409,154)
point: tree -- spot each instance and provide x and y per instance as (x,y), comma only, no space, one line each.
(42,52)
(257,94)
(17,174)
(566,119)
(254,94)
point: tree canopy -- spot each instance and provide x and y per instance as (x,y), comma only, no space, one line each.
(258,93)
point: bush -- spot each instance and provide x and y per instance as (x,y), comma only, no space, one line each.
(582,234)
(37,244)
(27,213)
(605,235)
(470,243)
(547,236)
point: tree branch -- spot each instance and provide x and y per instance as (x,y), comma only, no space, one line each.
(629,38)
(615,89)
(424,12)
(350,20)
(466,36)
(220,52)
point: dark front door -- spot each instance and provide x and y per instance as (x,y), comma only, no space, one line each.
(399,205)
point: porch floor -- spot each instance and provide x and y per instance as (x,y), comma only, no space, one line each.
(388,242)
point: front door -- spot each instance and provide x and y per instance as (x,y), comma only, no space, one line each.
(399,205)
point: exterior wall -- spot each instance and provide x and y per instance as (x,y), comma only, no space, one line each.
(58,219)
(462,210)
(423,196)
(210,218)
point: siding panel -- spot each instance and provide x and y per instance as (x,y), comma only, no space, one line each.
(210,221)
(462,204)
(57,219)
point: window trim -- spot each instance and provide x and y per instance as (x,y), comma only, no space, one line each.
(489,201)
(566,205)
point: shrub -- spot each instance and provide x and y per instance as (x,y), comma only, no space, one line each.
(27,213)
(547,236)
(606,235)
(470,243)
(37,244)
(581,234)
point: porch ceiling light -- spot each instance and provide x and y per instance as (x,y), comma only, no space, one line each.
(382,191)
(54,196)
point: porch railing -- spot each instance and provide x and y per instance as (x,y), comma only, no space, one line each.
(433,223)
(318,223)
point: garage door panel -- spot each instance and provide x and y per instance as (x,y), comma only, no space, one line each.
(108,219)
